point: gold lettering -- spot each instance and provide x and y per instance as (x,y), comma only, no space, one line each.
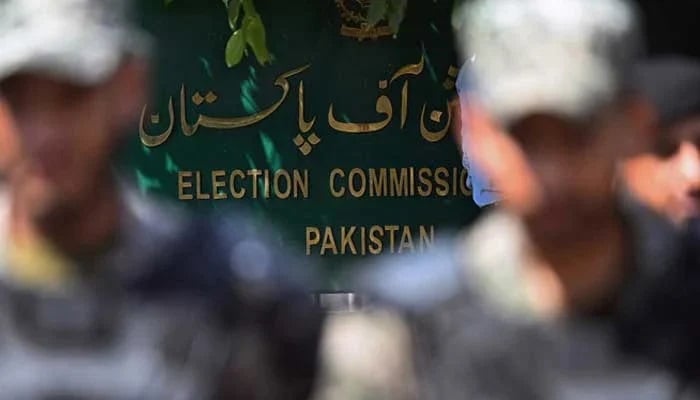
(443,188)
(237,194)
(463,183)
(217,184)
(328,242)
(182,185)
(372,239)
(237,122)
(412,183)
(336,193)
(346,240)
(285,184)
(288,185)
(255,174)
(375,247)
(198,184)
(435,116)
(152,141)
(351,182)
(398,183)
(406,240)
(427,185)
(392,229)
(377,182)
(363,249)
(383,106)
(266,183)
(313,238)
(426,239)
(301,183)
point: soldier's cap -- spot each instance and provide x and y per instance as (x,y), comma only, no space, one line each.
(78,41)
(564,57)
(672,85)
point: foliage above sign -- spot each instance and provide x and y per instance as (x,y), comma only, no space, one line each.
(367,17)
(249,33)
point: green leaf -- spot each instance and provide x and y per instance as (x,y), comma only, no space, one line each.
(234,48)
(397,12)
(234,10)
(249,7)
(377,11)
(256,37)
(168,2)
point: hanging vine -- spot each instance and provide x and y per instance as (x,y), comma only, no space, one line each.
(248,29)
(248,32)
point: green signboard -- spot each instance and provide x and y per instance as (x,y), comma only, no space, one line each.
(343,141)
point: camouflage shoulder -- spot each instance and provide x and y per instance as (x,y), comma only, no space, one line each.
(458,267)
(367,355)
(415,282)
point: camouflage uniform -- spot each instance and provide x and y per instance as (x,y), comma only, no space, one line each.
(474,333)
(456,324)
(175,307)
(464,318)
(178,308)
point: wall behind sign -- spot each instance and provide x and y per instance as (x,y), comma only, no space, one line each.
(377,174)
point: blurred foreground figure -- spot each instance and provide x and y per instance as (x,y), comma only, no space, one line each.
(104,295)
(668,179)
(530,302)
(484,192)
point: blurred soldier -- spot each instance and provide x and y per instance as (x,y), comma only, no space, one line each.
(484,192)
(526,304)
(104,295)
(668,179)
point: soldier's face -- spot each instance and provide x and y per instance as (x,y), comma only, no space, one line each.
(669,180)
(65,135)
(681,170)
(556,174)
(573,168)
(9,147)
